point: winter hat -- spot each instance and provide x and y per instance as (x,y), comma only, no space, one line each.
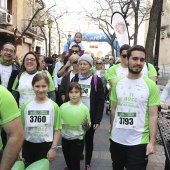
(86,57)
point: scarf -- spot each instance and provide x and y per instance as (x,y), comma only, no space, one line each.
(80,76)
(32,72)
(6,63)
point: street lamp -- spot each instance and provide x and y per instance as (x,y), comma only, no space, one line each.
(68,40)
(50,23)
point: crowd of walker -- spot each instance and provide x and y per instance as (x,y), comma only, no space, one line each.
(43,98)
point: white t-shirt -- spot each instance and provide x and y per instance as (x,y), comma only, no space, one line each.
(86,90)
(107,66)
(25,83)
(5,73)
(73,132)
(98,73)
(133,97)
(40,120)
(80,44)
(121,71)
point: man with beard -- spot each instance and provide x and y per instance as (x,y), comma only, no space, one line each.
(134,98)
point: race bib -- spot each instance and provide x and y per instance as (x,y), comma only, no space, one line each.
(126,120)
(38,118)
(85,90)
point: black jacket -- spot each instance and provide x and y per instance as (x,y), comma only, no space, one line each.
(15,70)
(64,85)
(97,100)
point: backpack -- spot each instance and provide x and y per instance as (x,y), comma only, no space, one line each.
(75,78)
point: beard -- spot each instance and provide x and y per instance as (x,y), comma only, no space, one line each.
(133,71)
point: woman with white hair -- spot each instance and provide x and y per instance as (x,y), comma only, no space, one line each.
(68,77)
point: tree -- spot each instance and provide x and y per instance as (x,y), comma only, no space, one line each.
(152,29)
(101,17)
(131,10)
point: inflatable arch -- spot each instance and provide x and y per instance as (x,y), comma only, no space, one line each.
(99,37)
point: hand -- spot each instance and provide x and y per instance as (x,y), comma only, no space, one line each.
(67,64)
(51,154)
(56,88)
(85,122)
(20,157)
(150,149)
(164,106)
(95,126)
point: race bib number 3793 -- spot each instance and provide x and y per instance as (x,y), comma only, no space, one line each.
(126,120)
(37,118)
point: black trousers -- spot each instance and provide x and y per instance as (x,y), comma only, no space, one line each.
(72,150)
(33,152)
(89,144)
(58,97)
(133,157)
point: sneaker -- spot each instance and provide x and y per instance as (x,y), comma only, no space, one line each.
(82,156)
(88,167)
(66,168)
(107,102)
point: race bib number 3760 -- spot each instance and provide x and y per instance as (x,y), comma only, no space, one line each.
(37,118)
(126,120)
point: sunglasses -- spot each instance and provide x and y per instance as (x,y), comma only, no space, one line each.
(124,55)
(75,51)
(106,58)
(75,62)
(99,63)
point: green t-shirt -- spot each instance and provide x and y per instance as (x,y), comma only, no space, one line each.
(8,108)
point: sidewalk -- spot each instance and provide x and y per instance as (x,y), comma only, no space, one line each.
(101,156)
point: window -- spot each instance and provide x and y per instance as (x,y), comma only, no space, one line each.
(3,4)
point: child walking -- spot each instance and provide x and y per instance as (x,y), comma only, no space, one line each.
(77,40)
(42,123)
(73,132)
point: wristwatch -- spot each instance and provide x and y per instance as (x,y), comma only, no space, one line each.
(54,147)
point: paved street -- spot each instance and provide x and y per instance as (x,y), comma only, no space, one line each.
(101,157)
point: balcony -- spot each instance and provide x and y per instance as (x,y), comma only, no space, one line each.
(32,31)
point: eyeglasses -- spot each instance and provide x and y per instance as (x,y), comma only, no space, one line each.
(29,59)
(75,62)
(99,63)
(124,55)
(75,51)
(106,58)
(8,50)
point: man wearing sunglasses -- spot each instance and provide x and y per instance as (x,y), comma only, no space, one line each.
(76,49)
(120,70)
